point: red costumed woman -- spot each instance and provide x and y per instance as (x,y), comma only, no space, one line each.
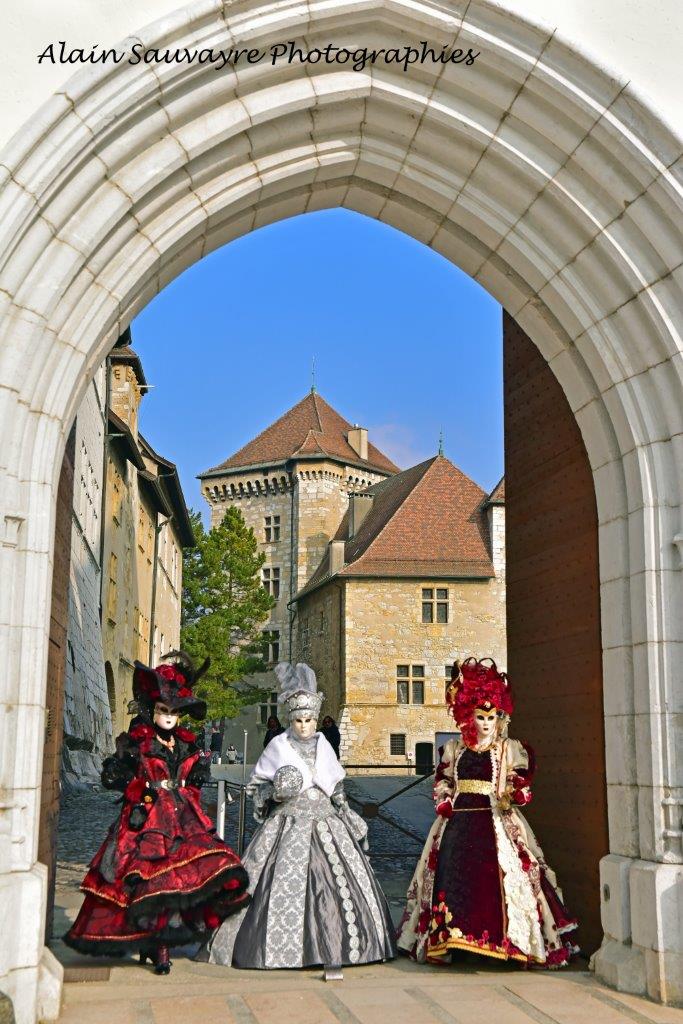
(162,877)
(482,884)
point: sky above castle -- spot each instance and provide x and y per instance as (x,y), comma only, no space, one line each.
(404,344)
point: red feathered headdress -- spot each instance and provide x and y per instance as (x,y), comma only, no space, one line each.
(477,684)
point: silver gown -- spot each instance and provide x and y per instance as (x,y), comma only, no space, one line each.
(315,899)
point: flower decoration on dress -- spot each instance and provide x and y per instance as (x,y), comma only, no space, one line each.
(477,684)
(298,689)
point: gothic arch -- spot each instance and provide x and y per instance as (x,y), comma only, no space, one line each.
(536,171)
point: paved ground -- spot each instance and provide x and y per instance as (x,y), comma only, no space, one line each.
(399,993)
(473,991)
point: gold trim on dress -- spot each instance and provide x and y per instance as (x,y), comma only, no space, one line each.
(481,786)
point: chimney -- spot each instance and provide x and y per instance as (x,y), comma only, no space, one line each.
(358,439)
(336,556)
(359,506)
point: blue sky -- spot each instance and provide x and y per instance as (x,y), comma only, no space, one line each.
(404,344)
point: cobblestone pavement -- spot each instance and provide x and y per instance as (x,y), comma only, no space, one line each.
(86,815)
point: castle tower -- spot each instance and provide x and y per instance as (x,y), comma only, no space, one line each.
(292,484)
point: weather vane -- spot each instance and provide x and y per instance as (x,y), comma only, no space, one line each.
(313,375)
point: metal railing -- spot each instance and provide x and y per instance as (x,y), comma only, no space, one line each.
(369,810)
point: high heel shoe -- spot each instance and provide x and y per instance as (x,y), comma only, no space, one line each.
(163,963)
(145,955)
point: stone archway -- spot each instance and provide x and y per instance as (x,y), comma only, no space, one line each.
(537,172)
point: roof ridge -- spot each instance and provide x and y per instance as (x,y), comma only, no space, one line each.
(314,396)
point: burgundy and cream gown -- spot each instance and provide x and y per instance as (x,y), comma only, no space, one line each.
(482,884)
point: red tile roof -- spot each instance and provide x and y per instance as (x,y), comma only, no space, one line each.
(497,495)
(429,521)
(312,428)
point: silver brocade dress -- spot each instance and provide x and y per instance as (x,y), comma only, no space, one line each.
(315,899)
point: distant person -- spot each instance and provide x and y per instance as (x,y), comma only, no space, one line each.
(331,733)
(231,753)
(273,728)
(215,743)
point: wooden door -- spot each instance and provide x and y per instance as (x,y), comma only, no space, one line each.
(553,624)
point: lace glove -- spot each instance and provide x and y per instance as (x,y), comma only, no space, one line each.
(287,783)
(356,825)
(261,794)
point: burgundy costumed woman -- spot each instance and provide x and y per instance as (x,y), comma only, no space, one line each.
(162,877)
(482,883)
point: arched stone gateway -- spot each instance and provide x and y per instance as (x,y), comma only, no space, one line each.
(535,171)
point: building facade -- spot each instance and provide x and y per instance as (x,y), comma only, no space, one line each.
(146,527)
(413,580)
(129,526)
(292,485)
(314,489)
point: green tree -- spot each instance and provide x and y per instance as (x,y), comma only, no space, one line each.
(223,607)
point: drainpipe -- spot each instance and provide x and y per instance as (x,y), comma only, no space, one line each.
(291,562)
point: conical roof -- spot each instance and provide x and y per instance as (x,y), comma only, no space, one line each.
(310,429)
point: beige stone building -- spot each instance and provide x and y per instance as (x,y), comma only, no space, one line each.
(292,485)
(146,527)
(413,579)
(382,578)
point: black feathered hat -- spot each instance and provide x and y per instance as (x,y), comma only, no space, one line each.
(170,683)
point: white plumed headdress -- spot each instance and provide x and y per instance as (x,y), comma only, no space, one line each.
(298,689)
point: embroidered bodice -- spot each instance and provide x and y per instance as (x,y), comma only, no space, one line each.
(306,749)
(473,779)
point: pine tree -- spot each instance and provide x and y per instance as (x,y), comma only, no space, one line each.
(223,607)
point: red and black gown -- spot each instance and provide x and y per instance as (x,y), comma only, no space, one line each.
(162,875)
(482,884)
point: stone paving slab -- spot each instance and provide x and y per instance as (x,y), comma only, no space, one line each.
(398,993)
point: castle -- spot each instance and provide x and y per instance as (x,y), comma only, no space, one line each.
(382,578)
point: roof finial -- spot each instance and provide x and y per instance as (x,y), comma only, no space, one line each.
(313,388)
(441,441)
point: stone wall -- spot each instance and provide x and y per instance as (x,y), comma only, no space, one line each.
(87,717)
(496,520)
(258,495)
(383,629)
(121,591)
(319,642)
(168,587)
(314,495)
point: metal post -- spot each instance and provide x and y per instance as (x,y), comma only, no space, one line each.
(241,821)
(220,806)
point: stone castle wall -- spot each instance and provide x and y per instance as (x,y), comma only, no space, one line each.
(316,505)
(384,630)
(258,496)
(319,643)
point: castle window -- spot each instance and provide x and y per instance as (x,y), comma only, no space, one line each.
(410,684)
(272,529)
(269,709)
(435,604)
(272,645)
(397,743)
(271,581)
